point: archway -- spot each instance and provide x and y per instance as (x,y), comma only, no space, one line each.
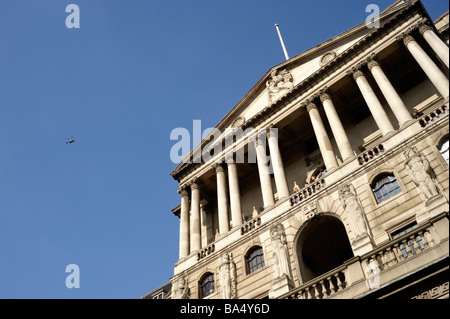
(322,245)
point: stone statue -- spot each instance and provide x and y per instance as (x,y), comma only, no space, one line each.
(280,251)
(181,289)
(418,168)
(354,211)
(227,272)
(254,212)
(278,82)
(296,188)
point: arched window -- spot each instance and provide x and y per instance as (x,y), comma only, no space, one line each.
(254,259)
(207,286)
(443,149)
(385,187)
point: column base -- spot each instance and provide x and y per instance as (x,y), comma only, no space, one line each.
(281,286)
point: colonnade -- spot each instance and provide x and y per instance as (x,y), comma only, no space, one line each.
(227,176)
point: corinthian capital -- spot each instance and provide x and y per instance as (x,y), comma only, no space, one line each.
(357,73)
(218,168)
(182,191)
(372,62)
(407,39)
(324,94)
(424,27)
(311,106)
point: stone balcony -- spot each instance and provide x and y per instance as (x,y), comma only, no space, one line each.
(435,111)
(361,275)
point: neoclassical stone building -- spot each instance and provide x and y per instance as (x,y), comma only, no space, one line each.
(324,183)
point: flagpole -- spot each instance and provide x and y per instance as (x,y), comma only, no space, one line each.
(282,43)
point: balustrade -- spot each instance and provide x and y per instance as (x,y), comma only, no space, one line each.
(206,251)
(250,225)
(307,192)
(433,116)
(322,287)
(368,155)
(400,249)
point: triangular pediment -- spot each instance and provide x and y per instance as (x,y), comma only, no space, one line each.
(287,76)
(283,77)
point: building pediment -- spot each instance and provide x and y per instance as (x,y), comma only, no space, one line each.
(286,80)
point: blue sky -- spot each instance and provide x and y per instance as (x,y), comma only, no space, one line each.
(132,72)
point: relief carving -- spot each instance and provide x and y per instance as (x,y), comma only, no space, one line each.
(418,169)
(280,252)
(355,214)
(181,290)
(279,82)
(227,272)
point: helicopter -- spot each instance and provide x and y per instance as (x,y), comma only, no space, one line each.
(70,140)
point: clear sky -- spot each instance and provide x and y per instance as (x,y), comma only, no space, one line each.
(134,71)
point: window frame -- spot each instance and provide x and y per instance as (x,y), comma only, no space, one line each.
(205,280)
(382,197)
(440,147)
(259,264)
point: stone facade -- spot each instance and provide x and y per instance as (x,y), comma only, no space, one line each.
(350,195)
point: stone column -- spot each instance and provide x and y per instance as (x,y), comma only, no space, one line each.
(277,163)
(196,237)
(336,126)
(435,75)
(326,149)
(438,46)
(378,113)
(395,102)
(264,172)
(222,204)
(184,223)
(235,195)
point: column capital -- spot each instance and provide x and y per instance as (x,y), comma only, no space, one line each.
(372,62)
(182,191)
(310,105)
(356,73)
(269,131)
(218,168)
(325,94)
(407,39)
(194,183)
(423,27)
(229,159)
(259,135)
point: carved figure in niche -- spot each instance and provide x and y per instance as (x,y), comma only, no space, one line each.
(280,251)
(354,211)
(278,82)
(182,289)
(418,168)
(227,272)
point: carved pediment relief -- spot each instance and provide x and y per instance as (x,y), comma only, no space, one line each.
(238,122)
(279,82)
(327,57)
